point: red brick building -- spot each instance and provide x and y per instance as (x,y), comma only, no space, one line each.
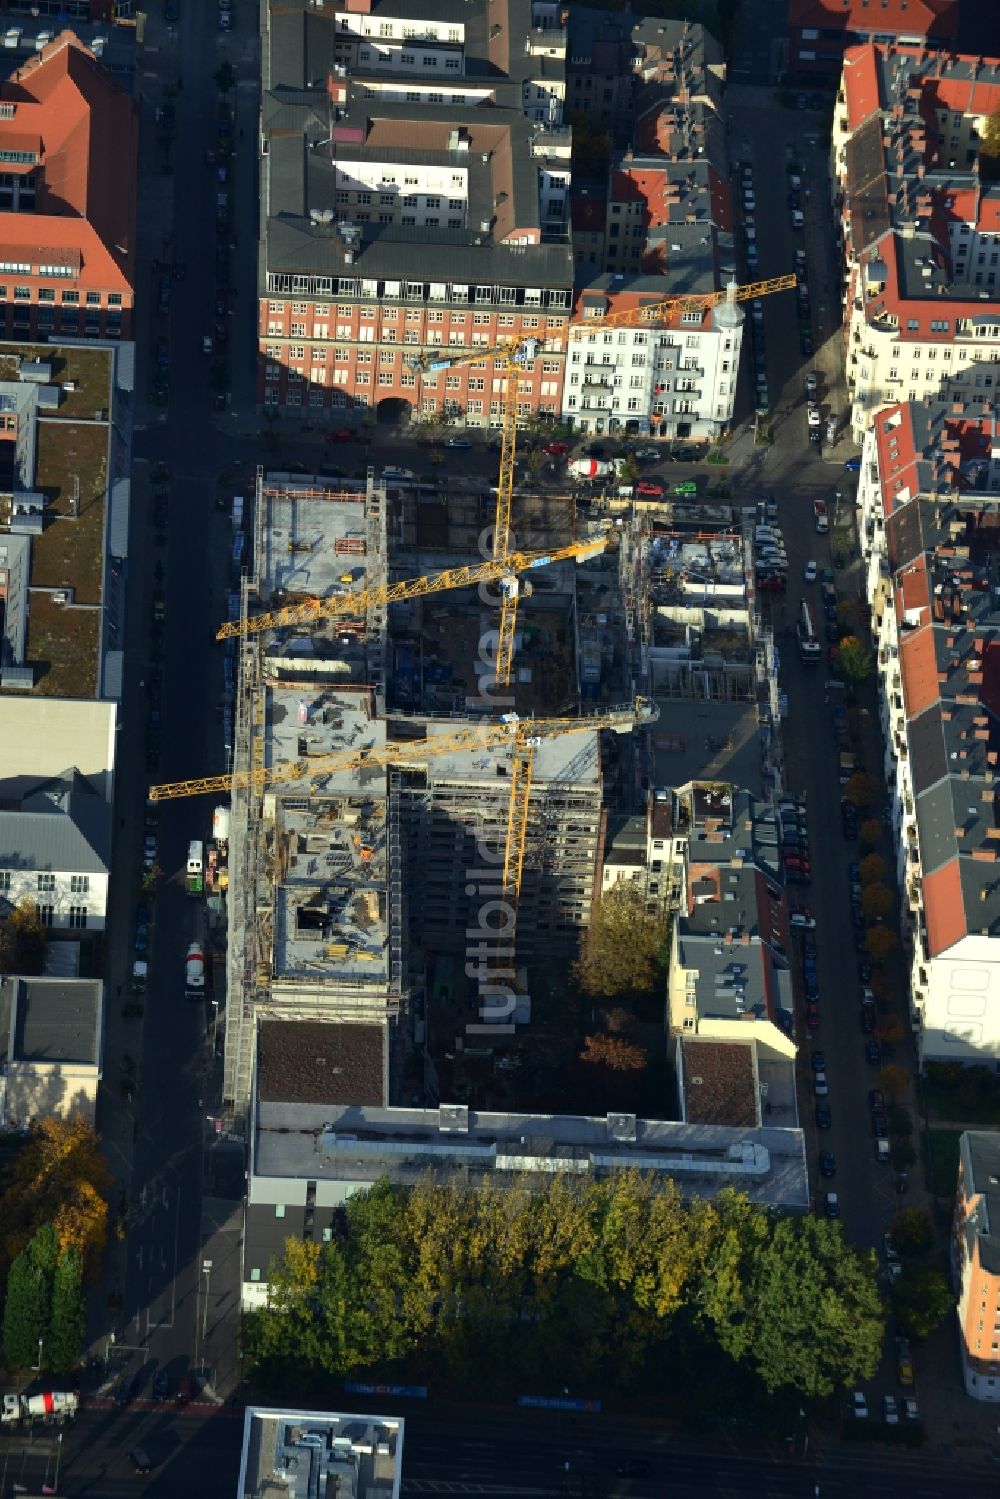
(822,30)
(68,169)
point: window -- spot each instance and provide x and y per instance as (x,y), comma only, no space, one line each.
(79,884)
(46,883)
(45,914)
(255,1274)
(279,1209)
(4,879)
(78,917)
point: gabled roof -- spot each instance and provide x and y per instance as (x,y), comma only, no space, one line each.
(61,826)
(89,150)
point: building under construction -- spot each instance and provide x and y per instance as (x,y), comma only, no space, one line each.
(347,883)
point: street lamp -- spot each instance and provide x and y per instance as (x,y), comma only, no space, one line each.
(206,1266)
(37,1368)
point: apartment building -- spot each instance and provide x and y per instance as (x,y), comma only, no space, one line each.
(930,522)
(975,1261)
(920,225)
(822,30)
(69,141)
(672,377)
(55,850)
(415,205)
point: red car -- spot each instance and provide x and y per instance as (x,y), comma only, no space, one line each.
(812,1017)
(650,487)
(343,434)
(556,449)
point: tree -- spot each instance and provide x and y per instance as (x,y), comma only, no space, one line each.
(861,789)
(58,1177)
(876,902)
(901,1154)
(68,1320)
(29,1298)
(613,1052)
(989,149)
(225,78)
(872,869)
(623,948)
(854,660)
(921,1299)
(794,1300)
(890,1030)
(912,1231)
(870,831)
(880,942)
(25,1313)
(894,1081)
(22,940)
(619,1021)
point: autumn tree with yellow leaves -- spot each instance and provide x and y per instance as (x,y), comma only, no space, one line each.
(58,1176)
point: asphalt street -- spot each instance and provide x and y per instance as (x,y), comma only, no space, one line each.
(506,1454)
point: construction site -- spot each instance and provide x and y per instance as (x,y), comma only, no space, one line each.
(422,734)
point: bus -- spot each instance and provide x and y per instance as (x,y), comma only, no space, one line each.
(810,649)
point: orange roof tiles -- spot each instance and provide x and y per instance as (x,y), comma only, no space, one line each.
(937,18)
(860,84)
(918,669)
(88,132)
(944,907)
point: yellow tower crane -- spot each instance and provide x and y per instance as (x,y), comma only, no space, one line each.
(522,735)
(516,355)
(498,569)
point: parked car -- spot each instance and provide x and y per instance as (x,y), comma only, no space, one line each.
(880,1125)
(824,1119)
(650,487)
(859,1405)
(827,1163)
(889,1410)
(831,1205)
(873,1054)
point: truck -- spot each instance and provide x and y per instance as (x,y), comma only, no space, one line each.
(822,518)
(194,878)
(50,1405)
(590,468)
(194,971)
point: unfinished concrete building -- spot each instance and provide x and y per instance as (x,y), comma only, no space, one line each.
(355,878)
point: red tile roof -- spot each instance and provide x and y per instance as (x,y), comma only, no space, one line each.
(87,130)
(918,669)
(944,907)
(937,18)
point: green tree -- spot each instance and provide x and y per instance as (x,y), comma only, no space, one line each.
(795,1301)
(861,789)
(29,1299)
(921,1299)
(876,902)
(854,660)
(67,1325)
(873,868)
(25,1313)
(880,942)
(624,947)
(870,831)
(912,1231)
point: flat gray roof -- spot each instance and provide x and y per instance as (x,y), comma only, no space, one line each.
(54,1020)
(304,1454)
(360,1144)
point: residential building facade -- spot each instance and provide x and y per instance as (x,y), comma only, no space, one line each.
(413,210)
(920,225)
(675,377)
(930,521)
(975,1261)
(55,850)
